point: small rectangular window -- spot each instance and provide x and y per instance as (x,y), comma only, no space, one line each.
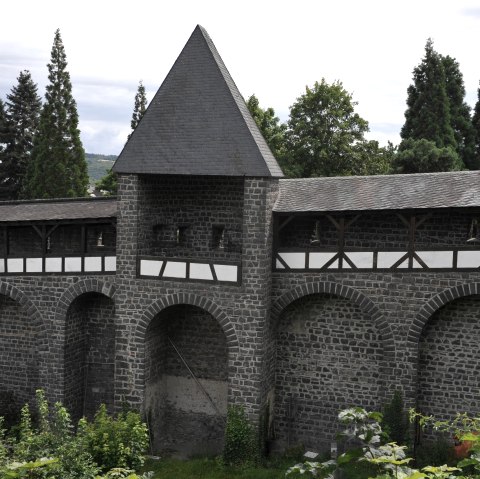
(218,236)
(181,235)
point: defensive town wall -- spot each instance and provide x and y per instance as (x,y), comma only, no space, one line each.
(216,301)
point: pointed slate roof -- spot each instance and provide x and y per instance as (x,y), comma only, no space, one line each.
(198,123)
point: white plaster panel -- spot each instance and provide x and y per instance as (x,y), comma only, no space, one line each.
(15,265)
(110,263)
(175,269)
(34,265)
(387,259)
(53,265)
(416,264)
(226,272)
(318,260)
(361,259)
(2,265)
(279,265)
(150,267)
(93,263)
(334,265)
(73,264)
(437,259)
(200,271)
(294,260)
(468,259)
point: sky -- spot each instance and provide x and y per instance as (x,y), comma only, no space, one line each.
(272,48)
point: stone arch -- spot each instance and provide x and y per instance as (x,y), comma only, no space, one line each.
(39,329)
(81,287)
(434,304)
(343,291)
(85,314)
(192,300)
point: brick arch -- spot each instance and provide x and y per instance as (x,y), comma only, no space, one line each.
(81,287)
(343,291)
(434,304)
(193,300)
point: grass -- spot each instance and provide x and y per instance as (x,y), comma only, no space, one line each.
(205,468)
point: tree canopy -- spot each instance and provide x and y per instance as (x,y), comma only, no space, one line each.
(58,167)
(23,108)
(325,136)
(6,139)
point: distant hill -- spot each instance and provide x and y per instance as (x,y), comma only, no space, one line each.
(98,165)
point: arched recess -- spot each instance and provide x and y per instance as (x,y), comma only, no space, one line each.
(87,312)
(331,350)
(187,358)
(444,340)
(23,348)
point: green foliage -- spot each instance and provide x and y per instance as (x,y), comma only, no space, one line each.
(434,453)
(57,168)
(269,124)
(476,129)
(119,441)
(325,137)
(423,156)
(23,112)
(241,443)
(98,165)
(108,184)
(139,108)
(6,166)
(395,419)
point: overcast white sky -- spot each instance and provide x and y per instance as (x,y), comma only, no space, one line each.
(272,48)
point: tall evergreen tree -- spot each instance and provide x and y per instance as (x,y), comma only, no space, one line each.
(58,167)
(476,128)
(139,107)
(23,112)
(460,112)
(428,113)
(6,141)
(108,183)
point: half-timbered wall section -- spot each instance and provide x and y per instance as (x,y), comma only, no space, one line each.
(58,237)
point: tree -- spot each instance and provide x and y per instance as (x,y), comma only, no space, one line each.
(460,118)
(272,130)
(108,183)
(476,128)
(58,167)
(6,141)
(139,107)
(423,156)
(428,113)
(23,112)
(325,137)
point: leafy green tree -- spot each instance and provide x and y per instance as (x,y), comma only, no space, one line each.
(476,128)
(423,156)
(428,113)
(108,183)
(325,136)
(23,112)
(6,142)
(269,124)
(58,167)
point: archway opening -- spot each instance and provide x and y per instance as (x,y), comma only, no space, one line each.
(329,357)
(89,354)
(449,360)
(19,360)
(186,386)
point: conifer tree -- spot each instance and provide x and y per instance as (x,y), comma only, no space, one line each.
(58,167)
(428,113)
(460,112)
(476,128)
(23,111)
(6,140)
(108,183)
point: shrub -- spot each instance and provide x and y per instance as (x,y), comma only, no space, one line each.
(395,419)
(119,441)
(241,444)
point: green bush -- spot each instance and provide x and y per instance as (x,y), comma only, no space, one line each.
(119,441)
(241,443)
(395,419)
